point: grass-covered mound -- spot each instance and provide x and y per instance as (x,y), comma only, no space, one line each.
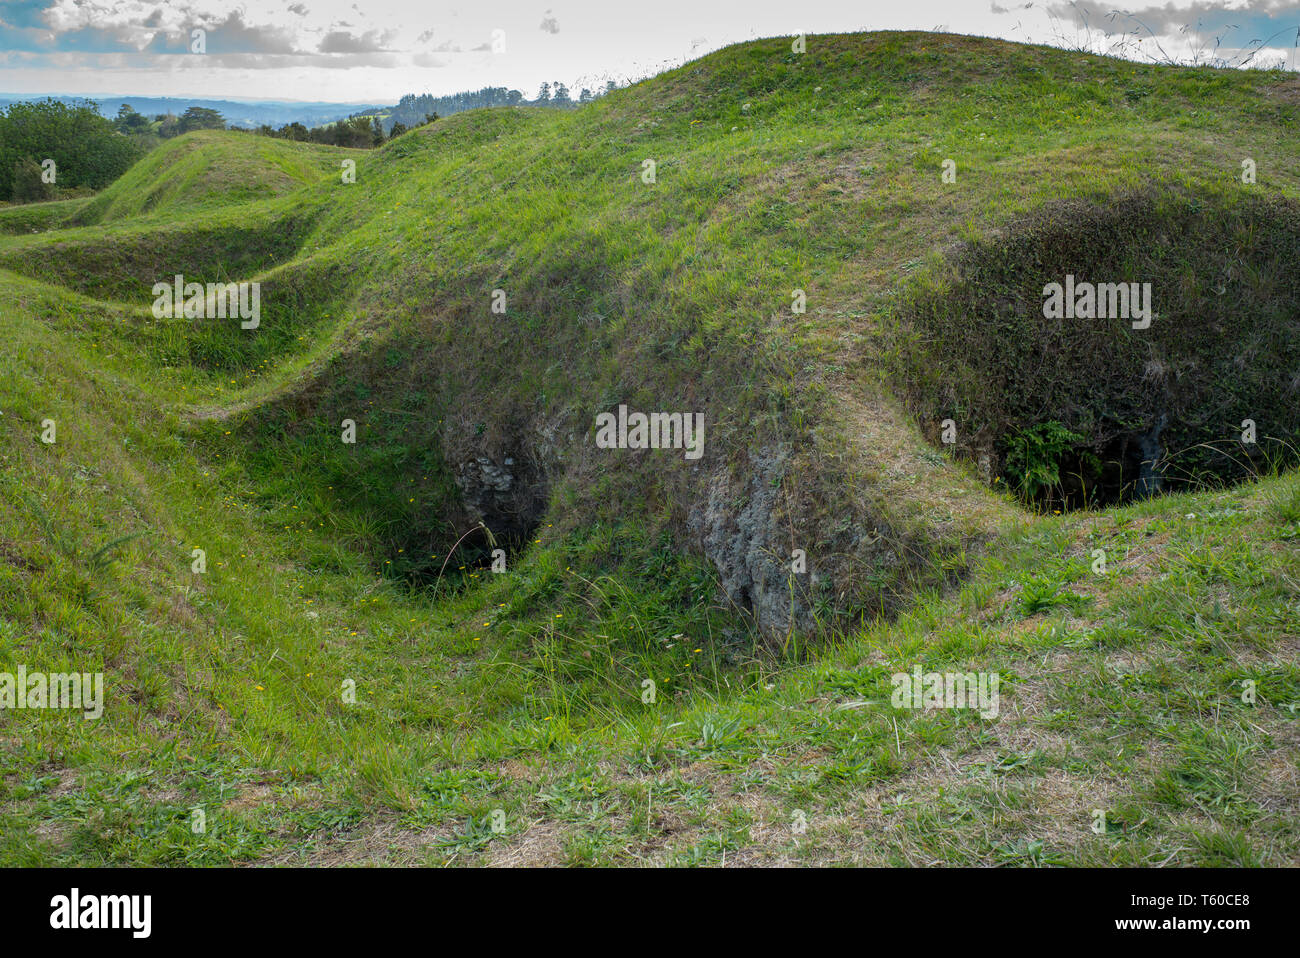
(202,171)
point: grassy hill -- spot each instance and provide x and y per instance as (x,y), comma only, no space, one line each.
(200,172)
(349,681)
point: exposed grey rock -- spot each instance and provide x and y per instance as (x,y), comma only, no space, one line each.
(739,529)
(505,498)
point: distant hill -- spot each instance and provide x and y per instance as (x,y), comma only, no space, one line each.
(241,113)
(411,110)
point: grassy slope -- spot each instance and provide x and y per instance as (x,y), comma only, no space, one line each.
(522,692)
(201,171)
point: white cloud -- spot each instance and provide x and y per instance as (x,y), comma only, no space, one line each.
(393,47)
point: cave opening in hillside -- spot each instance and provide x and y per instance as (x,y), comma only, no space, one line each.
(1133,466)
(501,510)
(454,564)
(1125,469)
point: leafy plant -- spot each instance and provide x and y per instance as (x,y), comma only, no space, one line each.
(1033,457)
(1040,593)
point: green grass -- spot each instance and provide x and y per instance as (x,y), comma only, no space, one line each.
(335,689)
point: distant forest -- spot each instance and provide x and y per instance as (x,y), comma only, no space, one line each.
(371,127)
(412,110)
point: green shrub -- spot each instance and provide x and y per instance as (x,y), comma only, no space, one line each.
(87,151)
(28,184)
(1033,457)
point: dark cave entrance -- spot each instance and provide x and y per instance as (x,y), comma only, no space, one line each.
(1134,465)
(1126,469)
(502,509)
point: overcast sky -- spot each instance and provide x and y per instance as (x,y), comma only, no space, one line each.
(378,50)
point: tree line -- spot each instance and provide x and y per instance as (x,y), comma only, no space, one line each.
(412,108)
